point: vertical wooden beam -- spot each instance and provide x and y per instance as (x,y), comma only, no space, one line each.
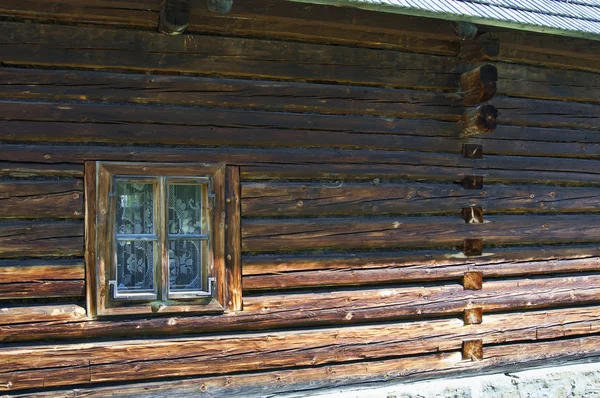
(174,17)
(90,235)
(233,240)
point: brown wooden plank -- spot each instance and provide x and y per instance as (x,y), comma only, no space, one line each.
(90,236)
(139,13)
(22,170)
(336,306)
(67,46)
(148,359)
(504,358)
(293,272)
(41,313)
(20,239)
(333,164)
(436,231)
(233,243)
(308,199)
(18,271)
(42,289)
(41,199)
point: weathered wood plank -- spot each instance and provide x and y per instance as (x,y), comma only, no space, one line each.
(139,13)
(41,313)
(42,289)
(336,306)
(25,239)
(25,170)
(68,46)
(293,272)
(333,164)
(18,271)
(36,366)
(503,358)
(309,199)
(41,199)
(233,243)
(436,231)
(90,236)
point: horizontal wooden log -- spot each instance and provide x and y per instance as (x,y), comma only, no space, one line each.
(62,46)
(24,170)
(36,366)
(296,272)
(329,164)
(69,86)
(42,289)
(42,313)
(505,358)
(308,199)
(31,239)
(19,271)
(373,233)
(41,199)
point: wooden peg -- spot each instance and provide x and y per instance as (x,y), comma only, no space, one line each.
(174,17)
(472,182)
(478,85)
(472,151)
(478,121)
(220,6)
(473,316)
(482,48)
(472,281)
(472,215)
(472,350)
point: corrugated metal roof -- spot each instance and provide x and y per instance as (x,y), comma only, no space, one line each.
(580,18)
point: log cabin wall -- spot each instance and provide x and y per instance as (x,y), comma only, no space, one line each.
(358,179)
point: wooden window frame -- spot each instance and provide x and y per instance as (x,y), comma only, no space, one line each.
(100,218)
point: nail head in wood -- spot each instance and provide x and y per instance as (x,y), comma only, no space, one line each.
(473,316)
(482,48)
(174,17)
(479,121)
(478,85)
(472,215)
(472,350)
(472,151)
(220,6)
(472,182)
(472,281)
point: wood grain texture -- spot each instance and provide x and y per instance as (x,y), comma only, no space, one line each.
(337,307)
(45,45)
(233,243)
(507,358)
(34,366)
(90,230)
(41,199)
(41,313)
(272,272)
(352,233)
(309,199)
(18,271)
(36,239)
(25,170)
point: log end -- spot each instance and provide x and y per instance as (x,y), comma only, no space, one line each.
(220,6)
(473,316)
(472,280)
(472,350)
(479,85)
(478,121)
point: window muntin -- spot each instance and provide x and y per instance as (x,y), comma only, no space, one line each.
(156,238)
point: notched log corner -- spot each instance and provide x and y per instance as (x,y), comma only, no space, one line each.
(478,85)
(472,182)
(473,316)
(220,6)
(472,215)
(472,350)
(472,280)
(174,17)
(479,49)
(478,121)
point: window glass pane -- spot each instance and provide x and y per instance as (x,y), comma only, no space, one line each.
(185,265)
(135,266)
(135,207)
(185,209)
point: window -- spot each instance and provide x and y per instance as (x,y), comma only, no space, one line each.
(158,247)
